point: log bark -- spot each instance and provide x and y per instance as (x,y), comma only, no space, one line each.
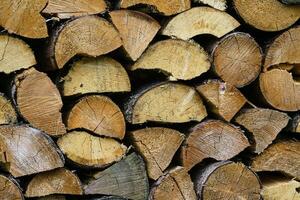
(127,178)
(237,59)
(94,151)
(227,180)
(178,59)
(39,101)
(291,1)
(157,146)
(136,30)
(223,99)
(58,181)
(96,75)
(175,184)
(8,114)
(25,150)
(10,189)
(98,114)
(166,102)
(217,4)
(263,124)
(212,139)
(295,124)
(200,20)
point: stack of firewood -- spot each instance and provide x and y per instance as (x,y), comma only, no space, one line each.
(149,99)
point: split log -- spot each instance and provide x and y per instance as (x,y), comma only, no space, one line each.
(237,59)
(167,8)
(176,184)
(263,124)
(227,180)
(167,102)
(280,90)
(74,8)
(291,1)
(200,20)
(25,150)
(9,189)
(39,101)
(98,114)
(24,18)
(127,178)
(217,4)
(212,139)
(97,37)
(136,30)
(157,146)
(58,181)
(15,54)
(8,114)
(177,58)
(295,124)
(96,75)
(267,15)
(283,157)
(93,152)
(52,197)
(223,99)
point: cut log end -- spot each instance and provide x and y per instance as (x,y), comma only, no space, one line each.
(9,189)
(8,114)
(217,4)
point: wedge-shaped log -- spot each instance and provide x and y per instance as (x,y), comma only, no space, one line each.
(177,58)
(96,75)
(9,189)
(93,152)
(157,146)
(25,150)
(200,20)
(136,30)
(212,139)
(217,4)
(166,102)
(8,114)
(127,178)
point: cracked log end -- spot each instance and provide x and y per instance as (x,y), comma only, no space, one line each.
(263,124)
(25,151)
(93,152)
(74,8)
(200,20)
(267,15)
(223,99)
(175,184)
(96,75)
(8,114)
(126,178)
(58,181)
(9,189)
(157,146)
(217,4)
(212,139)
(237,59)
(98,114)
(136,30)
(227,180)
(39,101)
(177,58)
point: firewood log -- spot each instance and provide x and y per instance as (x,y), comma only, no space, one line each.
(108,198)
(295,124)
(10,189)
(217,4)
(25,150)
(8,114)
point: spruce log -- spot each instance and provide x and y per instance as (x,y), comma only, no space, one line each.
(267,15)
(237,59)
(96,75)
(212,139)
(166,102)
(9,189)
(88,35)
(200,20)
(227,180)
(8,114)
(39,101)
(87,150)
(136,30)
(177,58)
(25,150)
(98,114)
(157,146)
(58,181)
(127,178)
(223,99)
(24,18)
(263,124)
(217,4)
(175,184)
(74,8)
(15,54)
